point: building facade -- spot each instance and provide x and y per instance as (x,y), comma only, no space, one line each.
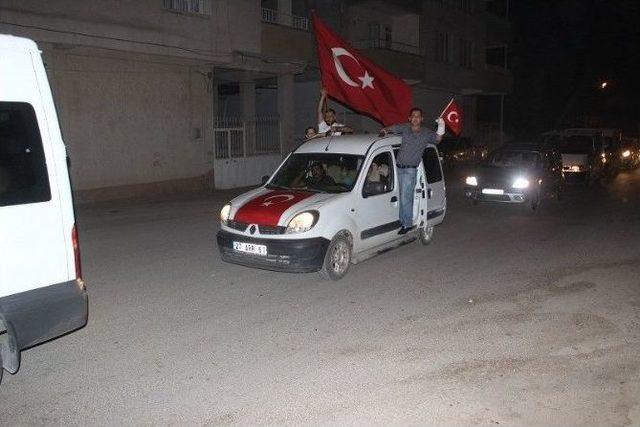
(180,95)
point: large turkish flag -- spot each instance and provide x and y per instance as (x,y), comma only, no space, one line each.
(355,81)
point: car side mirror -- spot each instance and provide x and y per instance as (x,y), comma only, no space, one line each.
(265,179)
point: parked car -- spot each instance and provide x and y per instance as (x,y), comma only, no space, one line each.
(587,154)
(519,173)
(42,294)
(331,203)
(460,150)
(630,153)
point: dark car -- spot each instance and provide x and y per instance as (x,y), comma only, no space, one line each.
(630,153)
(523,173)
(456,151)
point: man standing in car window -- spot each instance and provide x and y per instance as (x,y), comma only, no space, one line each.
(415,139)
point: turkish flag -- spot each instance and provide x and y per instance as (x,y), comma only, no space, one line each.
(355,81)
(452,115)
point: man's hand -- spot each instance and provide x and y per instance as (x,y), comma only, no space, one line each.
(384,132)
(440,130)
(323,92)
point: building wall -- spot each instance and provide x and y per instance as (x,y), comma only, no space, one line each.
(130,122)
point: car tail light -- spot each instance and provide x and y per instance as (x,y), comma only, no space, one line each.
(76,251)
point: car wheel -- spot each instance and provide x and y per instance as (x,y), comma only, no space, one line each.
(426,235)
(337,259)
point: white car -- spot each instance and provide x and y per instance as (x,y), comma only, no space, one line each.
(331,203)
(42,294)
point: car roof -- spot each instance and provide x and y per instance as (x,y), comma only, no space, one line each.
(17,43)
(348,144)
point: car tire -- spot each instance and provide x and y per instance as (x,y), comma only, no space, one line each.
(534,203)
(426,235)
(337,259)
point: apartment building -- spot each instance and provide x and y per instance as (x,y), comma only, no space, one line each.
(177,95)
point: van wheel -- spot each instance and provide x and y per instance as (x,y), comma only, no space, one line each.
(426,235)
(337,259)
(534,204)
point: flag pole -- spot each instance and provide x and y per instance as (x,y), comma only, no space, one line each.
(445,108)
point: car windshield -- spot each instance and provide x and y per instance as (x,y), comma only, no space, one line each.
(323,172)
(514,158)
(576,144)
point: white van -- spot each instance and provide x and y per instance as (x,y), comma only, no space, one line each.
(42,294)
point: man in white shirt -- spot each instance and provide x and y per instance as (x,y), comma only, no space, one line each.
(327,118)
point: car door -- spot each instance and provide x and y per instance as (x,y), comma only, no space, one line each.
(435,187)
(377,214)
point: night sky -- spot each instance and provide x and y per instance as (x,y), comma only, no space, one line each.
(561,52)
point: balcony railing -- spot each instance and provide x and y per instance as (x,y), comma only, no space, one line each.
(272,16)
(388,45)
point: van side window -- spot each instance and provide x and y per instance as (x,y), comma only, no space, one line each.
(379,179)
(23,170)
(431,165)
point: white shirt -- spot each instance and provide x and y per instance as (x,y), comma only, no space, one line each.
(323,127)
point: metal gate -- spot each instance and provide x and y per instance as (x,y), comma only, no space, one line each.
(245,150)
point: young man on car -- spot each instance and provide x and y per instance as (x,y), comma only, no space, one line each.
(327,124)
(415,139)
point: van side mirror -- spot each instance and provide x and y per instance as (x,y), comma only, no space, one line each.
(264,180)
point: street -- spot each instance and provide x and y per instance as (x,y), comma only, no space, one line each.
(506,318)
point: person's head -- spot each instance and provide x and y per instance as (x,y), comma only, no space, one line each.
(317,171)
(310,132)
(415,116)
(330,116)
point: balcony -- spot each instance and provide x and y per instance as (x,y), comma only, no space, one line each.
(272,16)
(388,45)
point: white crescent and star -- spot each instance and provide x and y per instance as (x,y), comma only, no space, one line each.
(367,80)
(277,198)
(452,117)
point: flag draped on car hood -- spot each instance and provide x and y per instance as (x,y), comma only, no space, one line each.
(355,81)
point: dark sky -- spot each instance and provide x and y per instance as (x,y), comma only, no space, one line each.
(561,51)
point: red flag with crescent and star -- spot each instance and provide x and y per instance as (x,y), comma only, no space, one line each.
(452,115)
(355,81)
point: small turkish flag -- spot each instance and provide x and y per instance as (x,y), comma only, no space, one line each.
(355,81)
(452,115)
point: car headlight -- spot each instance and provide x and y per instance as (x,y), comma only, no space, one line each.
(576,168)
(520,183)
(225,212)
(471,180)
(626,153)
(302,222)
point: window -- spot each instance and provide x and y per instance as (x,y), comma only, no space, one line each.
(496,56)
(196,7)
(379,178)
(442,47)
(23,169)
(431,165)
(465,52)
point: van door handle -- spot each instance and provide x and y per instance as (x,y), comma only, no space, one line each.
(394,199)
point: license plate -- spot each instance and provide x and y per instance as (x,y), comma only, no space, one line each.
(492,191)
(250,248)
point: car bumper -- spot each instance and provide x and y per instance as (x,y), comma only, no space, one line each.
(41,314)
(507,197)
(288,255)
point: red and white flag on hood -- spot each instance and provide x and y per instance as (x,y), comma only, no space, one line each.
(452,115)
(355,81)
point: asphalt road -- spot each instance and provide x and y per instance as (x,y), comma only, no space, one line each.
(507,318)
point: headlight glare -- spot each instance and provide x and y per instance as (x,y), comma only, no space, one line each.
(520,183)
(471,180)
(302,222)
(225,212)
(626,153)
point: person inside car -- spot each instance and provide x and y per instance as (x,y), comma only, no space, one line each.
(317,178)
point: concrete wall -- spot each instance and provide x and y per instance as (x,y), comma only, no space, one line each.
(130,122)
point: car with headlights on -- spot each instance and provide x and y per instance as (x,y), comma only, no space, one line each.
(332,202)
(630,153)
(517,173)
